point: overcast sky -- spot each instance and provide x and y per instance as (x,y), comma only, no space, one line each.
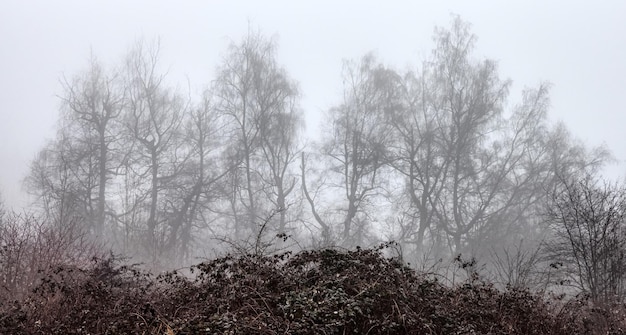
(578,46)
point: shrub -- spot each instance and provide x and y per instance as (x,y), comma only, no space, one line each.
(312,292)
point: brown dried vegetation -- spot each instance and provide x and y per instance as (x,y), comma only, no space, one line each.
(312,292)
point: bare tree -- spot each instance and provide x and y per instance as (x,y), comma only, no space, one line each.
(467,98)
(418,158)
(356,146)
(260,101)
(523,266)
(324,235)
(72,173)
(55,180)
(93,105)
(191,202)
(153,124)
(444,135)
(587,218)
(473,175)
(280,149)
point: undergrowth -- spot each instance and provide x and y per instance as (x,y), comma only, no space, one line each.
(312,292)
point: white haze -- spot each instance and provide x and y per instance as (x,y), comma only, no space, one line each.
(579,47)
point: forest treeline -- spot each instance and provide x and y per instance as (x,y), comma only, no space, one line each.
(436,158)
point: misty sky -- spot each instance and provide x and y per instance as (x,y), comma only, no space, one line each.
(579,48)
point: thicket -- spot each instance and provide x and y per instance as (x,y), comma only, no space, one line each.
(324,291)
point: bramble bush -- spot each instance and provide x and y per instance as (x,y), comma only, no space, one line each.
(311,292)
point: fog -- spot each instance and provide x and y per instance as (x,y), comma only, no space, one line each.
(170,131)
(577,47)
